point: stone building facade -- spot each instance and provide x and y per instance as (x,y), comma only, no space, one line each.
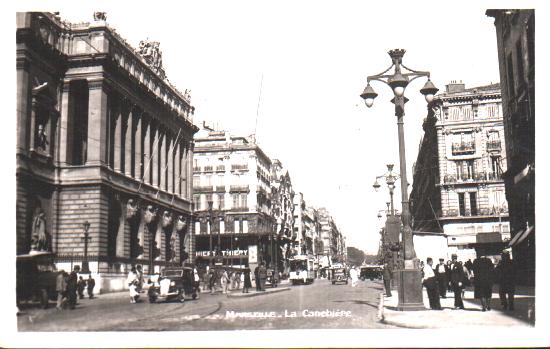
(102,138)
(515,32)
(471,208)
(232,199)
(331,237)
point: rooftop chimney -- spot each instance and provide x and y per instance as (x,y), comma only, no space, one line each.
(455,86)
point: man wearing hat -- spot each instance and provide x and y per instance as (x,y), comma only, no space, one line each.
(506,278)
(441,275)
(458,279)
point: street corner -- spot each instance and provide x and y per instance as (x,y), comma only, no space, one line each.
(258,293)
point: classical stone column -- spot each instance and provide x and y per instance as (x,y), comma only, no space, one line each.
(128,151)
(32,126)
(177,169)
(23,87)
(188,170)
(146,150)
(63,126)
(138,157)
(170,168)
(163,150)
(97,122)
(155,156)
(118,138)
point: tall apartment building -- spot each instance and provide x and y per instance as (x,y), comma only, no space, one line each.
(103,148)
(462,193)
(232,200)
(282,209)
(515,31)
(333,245)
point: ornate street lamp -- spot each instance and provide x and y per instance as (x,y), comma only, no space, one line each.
(86,238)
(390,177)
(410,285)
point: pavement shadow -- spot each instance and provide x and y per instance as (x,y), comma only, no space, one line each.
(360,302)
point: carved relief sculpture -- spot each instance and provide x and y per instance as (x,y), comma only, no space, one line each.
(100,16)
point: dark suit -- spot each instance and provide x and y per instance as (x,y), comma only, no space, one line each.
(457,283)
(442,282)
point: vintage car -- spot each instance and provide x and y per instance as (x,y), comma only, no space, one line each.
(338,275)
(173,283)
(370,272)
(36,278)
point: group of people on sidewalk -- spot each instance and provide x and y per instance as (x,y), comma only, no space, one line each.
(235,280)
(68,285)
(482,273)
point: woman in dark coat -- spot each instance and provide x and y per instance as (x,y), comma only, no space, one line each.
(483,281)
(247,281)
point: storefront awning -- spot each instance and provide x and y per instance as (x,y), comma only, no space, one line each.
(521,235)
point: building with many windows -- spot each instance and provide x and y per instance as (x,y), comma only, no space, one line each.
(332,241)
(232,200)
(103,150)
(458,187)
(515,31)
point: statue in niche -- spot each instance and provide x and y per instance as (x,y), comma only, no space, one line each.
(131,208)
(180,224)
(156,250)
(150,214)
(39,236)
(166,219)
(41,139)
(100,16)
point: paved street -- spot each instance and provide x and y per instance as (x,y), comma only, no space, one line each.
(301,307)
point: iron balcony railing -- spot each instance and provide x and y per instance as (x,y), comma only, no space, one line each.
(463,148)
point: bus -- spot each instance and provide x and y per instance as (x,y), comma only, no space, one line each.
(302,269)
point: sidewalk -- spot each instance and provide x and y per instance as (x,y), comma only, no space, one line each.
(268,290)
(471,316)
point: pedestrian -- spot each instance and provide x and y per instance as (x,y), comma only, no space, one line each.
(81,285)
(238,278)
(441,276)
(225,281)
(386,275)
(458,278)
(482,268)
(72,287)
(429,281)
(262,274)
(212,280)
(132,282)
(139,273)
(257,278)
(353,276)
(469,265)
(506,278)
(61,288)
(90,284)
(448,274)
(247,283)
(196,281)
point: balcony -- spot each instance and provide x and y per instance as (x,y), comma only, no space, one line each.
(476,177)
(236,167)
(208,169)
(197,169)
(463,148)
(203,189)
(239,188)
(493,146)
(220,168)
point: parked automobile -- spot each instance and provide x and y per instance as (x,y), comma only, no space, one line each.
(36,278)
(371,272)
(173,283)
(339,275)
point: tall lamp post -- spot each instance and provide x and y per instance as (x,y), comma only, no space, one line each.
(410,286)
(86,238)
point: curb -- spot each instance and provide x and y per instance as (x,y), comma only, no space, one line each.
(380,315)
(241,295)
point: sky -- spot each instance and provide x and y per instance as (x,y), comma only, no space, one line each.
(291,73)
